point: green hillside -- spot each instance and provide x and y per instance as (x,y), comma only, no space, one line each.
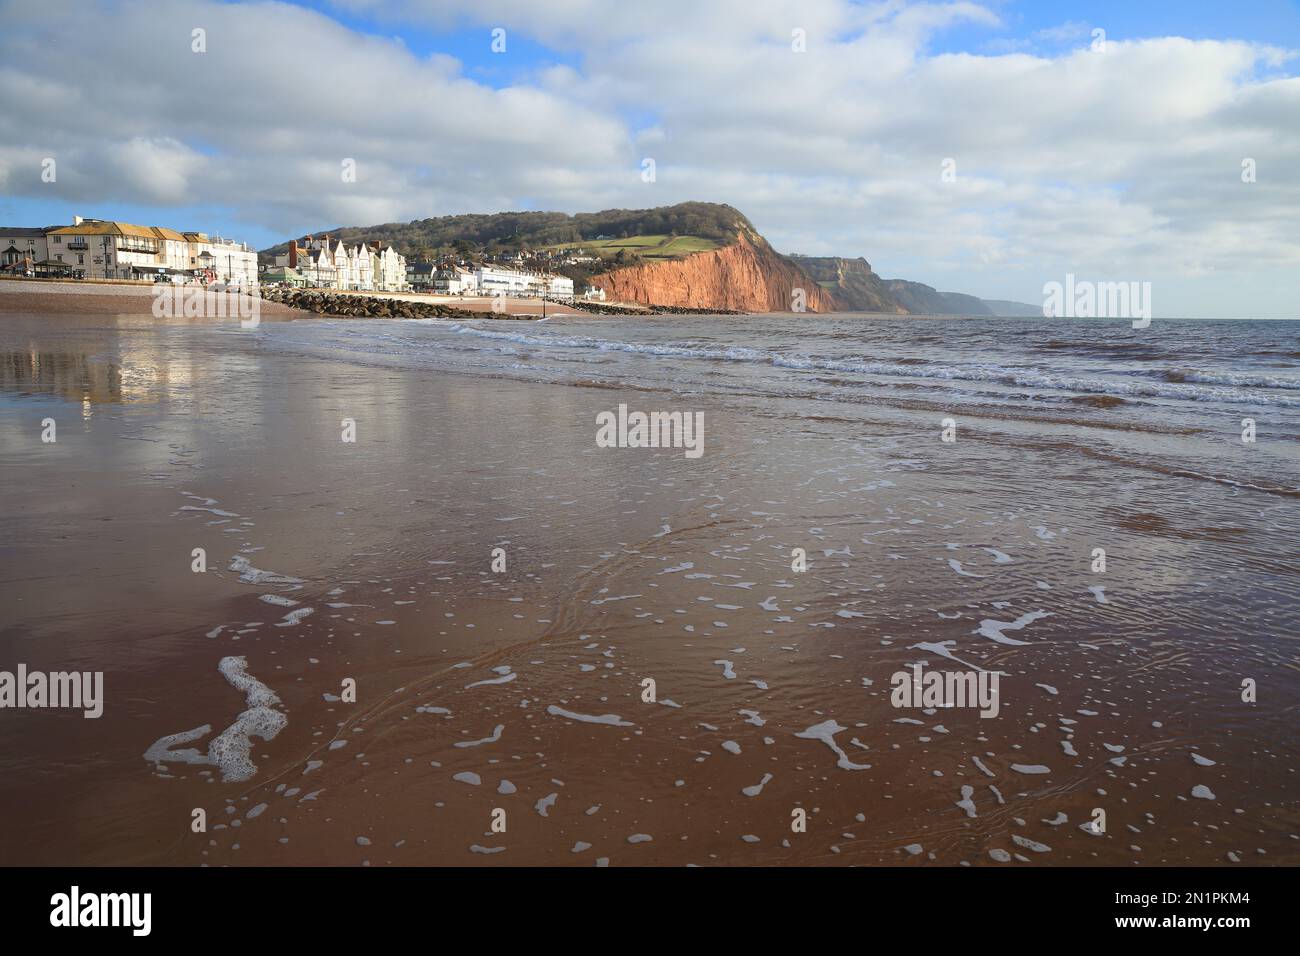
(665,232)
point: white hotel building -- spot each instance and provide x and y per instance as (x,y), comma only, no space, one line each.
(499,280)
(105,249)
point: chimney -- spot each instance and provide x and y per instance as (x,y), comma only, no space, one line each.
(77,220)
(293,253)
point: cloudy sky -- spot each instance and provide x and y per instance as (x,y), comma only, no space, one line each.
(1101,139)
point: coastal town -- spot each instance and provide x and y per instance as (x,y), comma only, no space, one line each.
(107,250)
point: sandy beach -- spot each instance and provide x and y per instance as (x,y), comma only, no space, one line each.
(517,697)
(33,296)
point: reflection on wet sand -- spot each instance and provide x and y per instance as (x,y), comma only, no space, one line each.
(70,375)
(334,566)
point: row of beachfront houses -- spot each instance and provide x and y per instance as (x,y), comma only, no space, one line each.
(325,263)
(105,249)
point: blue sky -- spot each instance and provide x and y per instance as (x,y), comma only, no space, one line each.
(1263,21)
(1095,165)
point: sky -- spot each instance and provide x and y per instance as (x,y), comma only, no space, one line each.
(980,147)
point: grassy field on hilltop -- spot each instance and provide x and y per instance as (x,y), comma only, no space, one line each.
(647,247)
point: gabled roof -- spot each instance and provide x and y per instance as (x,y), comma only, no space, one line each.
(106,229)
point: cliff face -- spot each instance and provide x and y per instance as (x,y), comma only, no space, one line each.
(852,283)
(857,288)
(921,299)
(747,276)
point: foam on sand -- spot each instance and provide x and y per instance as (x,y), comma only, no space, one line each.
(1030,768)
(825,732)
(503,679)
(251,575)
(496,735)
(956,566)
(294,618)
(993,629)
(612,719)
(231,751)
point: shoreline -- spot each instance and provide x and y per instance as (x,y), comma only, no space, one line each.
(36,296)
(522,689)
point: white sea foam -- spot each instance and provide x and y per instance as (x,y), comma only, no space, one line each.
(496,735)
(504,679)
(294,618)
(251,575)
(825,732)
(993,629)
(545,803)
(230,751)
(611,719)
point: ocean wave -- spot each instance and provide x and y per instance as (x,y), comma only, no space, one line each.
(1239,379)
(1196,386)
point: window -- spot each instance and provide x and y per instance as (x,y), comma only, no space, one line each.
(81,260)
(58,241)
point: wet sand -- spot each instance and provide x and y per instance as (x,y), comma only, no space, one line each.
(522,690)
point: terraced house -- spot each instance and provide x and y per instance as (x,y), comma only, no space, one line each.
(328,263)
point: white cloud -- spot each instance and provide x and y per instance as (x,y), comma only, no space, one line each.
(1124,162)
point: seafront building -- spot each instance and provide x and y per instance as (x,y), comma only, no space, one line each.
(21,249)
(501,280)
(559,287)
(420,276)
(222,259)
(332,264)
(107,249)
(456,280)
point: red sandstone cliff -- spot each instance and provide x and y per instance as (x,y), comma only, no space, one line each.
(747,276)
